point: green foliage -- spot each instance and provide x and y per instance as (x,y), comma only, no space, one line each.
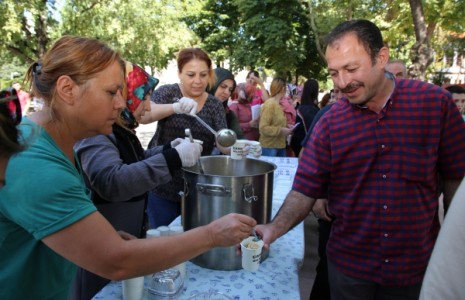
(145,32)
(216,24)
(26,28)
(273,35)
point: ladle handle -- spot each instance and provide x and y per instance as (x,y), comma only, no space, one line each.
(206,125)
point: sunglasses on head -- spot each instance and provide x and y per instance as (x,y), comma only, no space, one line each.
(9,100)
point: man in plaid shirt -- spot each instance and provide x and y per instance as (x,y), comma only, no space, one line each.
(378,156)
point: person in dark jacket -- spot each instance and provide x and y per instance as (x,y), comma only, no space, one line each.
(224,86)
(120,173)
(307,110)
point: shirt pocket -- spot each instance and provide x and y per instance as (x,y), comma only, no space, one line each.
(418,163)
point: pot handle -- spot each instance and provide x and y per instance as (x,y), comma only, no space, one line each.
(213,189)
(249,193)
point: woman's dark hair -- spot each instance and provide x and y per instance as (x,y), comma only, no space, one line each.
(310,92)
(367,33)
(325,99)
(255,73)
(9,134)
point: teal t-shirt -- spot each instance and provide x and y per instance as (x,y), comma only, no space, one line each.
(44,193)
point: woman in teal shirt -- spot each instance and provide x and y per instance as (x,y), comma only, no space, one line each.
(48,224)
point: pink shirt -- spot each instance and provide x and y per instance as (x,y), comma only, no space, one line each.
(289,110)
(244,115)
(257,99)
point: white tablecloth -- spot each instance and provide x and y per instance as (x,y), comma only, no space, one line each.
(277,277)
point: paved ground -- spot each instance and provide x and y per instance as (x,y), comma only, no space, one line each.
(307,272)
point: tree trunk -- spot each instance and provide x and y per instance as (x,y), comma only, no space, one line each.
(421,52)
(315,31)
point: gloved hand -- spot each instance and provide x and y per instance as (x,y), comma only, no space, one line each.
(176,142)
(188,152)
(185,106)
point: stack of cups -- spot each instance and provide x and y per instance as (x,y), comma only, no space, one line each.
(237,150)
(133,288)
(165,231)
(149,234)
(174,230)
(255,149)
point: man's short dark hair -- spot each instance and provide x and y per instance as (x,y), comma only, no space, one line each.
(367,33)
(455,89)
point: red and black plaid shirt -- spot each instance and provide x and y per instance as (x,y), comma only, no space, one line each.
(380,174)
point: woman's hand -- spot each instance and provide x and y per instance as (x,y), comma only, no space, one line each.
(185,106)
(286,131)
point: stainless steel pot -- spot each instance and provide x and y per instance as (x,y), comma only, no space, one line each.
(224,186)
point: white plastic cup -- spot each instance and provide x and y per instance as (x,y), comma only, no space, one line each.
(174,230)
(151,233)
(237,150)
(133,288)
(254,148)
(164,230)
(251,253)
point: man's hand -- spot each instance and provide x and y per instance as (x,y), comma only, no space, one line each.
(321,211)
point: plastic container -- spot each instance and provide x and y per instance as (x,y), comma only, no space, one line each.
(167,284)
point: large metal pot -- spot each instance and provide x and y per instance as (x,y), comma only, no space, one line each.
(221,186)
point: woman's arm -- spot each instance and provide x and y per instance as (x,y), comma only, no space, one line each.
(157,112)
(94,245)
(113,179)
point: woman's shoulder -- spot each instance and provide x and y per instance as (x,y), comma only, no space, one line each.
(271,102)
(166,93)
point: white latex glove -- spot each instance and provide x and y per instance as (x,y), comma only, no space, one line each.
(185,106)
(188,152)
(176,142)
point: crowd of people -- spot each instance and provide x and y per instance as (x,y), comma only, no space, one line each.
(374,161)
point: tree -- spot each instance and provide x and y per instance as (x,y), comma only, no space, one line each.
(26,28)
(217,26)
(421,54)
(145,32)
(268,34)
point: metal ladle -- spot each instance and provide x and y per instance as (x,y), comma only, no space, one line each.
(224,137)
(188,133)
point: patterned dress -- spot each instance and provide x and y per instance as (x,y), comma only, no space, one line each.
(174,126)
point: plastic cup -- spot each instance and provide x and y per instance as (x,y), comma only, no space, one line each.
(251,253)
(133,288)
(237,150)
(254,148)
(164,230)
(151,233)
